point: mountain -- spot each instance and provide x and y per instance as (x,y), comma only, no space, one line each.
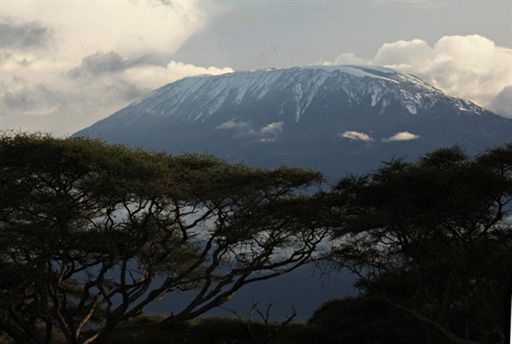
(335,119)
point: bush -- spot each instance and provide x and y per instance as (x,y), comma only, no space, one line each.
(365,320)
(149,329)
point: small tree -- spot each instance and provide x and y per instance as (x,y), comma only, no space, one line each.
(90,234)
(434,239)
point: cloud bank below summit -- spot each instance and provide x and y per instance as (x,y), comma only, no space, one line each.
(397,137)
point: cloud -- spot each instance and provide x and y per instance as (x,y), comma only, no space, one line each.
(126,26)
(23,35)
(30,99)
(415,54)
(98,64)
(272,128)
(38,96)
(471,67)
(344,58)
(103,56)
(266,134)
(241,128)
(401,136)
(233,124)
(356,136)
(153,76)
(502,104)
(68,96)
(415,3)
(144,71)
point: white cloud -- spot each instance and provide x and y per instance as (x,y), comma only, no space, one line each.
(272,128)
(233,124)
(502,104)
(355,135)
(240,128)
(69,98)
(471,67)
(415,54)
(66,65)
(152,76)
(267,133)
(344,58)
(139,71)
(128,27)
(401,136)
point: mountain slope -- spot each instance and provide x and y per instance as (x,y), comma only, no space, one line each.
(335,119)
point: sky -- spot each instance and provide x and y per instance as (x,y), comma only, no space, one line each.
(67,64)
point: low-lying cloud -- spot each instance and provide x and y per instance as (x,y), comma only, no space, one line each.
(234,124)
(272,128)
(267,133)
(356,136)
(471,67)
(401,136)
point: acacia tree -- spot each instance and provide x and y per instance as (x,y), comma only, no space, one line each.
(434,240)
(90,234)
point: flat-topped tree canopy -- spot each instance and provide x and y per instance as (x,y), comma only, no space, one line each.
(92,233)
(432,239)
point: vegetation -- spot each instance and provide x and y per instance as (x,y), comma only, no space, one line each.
(367,320)
(90,234)
(433,239)
(215,331)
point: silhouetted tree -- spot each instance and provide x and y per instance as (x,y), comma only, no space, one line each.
(90,234)
(366,319)
(434,239)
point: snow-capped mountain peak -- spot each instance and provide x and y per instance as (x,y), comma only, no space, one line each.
(304,116)
(377,86)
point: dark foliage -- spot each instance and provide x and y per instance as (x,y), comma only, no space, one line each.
(433,239)
(367,320)
(214,331)
(90,233)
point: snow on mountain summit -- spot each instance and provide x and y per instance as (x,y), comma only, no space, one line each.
(299,86)
(330,118)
